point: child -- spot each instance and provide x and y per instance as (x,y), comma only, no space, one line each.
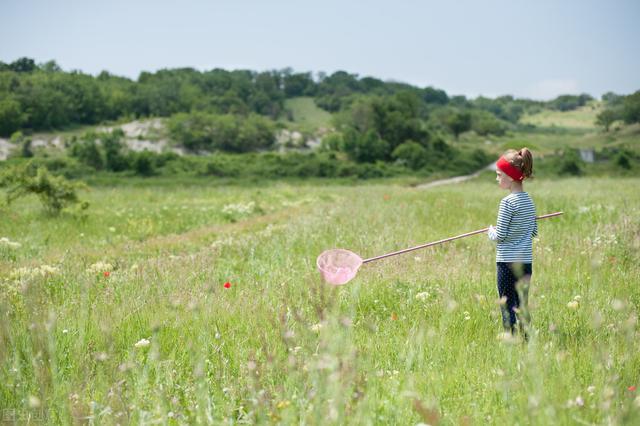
(514,231)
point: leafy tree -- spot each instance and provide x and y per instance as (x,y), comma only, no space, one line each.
(459,122)
(631,108)
(411,154)
(606,118)
(485,123)
(11,116)
(86,151)
(612,99)
(115,159)
(435,96)
(570,163)
(203,131)
(623,160)
(23,65)
(143,163)
(365,147)
(569,102)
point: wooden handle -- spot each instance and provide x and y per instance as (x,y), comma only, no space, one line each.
(479,231)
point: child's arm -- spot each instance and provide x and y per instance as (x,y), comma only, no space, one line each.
(505,213)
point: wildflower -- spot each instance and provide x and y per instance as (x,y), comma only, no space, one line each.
(106,274)
(4,241)
(99,267)
(591,389)
(579,401)
(573,304)
(467,316)
(227,285)
(422,296)
(631,388)
(316,327)
(34,401)
(45,270)
(142,343)
(394,316)
(283,404)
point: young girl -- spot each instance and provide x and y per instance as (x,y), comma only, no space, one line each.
(514,231)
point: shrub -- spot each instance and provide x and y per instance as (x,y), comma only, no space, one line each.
(55,192)
(143,163)
(412,154)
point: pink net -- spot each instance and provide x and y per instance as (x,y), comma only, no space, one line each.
(338,266)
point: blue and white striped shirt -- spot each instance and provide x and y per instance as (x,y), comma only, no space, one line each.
(516,228)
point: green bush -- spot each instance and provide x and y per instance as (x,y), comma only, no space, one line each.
(55,192)
(570,163)
(411,154)
(200,131)
(144,163)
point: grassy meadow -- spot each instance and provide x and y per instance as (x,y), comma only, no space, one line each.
(580,118)
(122,316)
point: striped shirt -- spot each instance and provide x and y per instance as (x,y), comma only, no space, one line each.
(516,228)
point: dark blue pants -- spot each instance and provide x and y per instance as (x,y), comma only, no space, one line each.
(513,284)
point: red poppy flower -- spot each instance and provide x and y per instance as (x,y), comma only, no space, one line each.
(227,285)
(632,388)
(106,274)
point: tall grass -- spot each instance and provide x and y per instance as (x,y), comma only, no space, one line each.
(415,338)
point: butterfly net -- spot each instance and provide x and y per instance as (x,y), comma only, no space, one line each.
(338,266)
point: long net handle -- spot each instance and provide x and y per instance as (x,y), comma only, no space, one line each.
(479,231)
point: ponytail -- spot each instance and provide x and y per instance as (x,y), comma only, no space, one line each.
(522,159)
(527,162)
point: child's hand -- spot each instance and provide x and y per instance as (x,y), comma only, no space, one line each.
(492,233)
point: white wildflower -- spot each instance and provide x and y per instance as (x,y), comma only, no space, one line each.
(34,401)
(573,304)
(239,209)
(6,242)
(142,343)
(316,327)
(422,296)
(99,267)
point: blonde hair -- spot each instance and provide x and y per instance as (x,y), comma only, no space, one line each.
(521,159)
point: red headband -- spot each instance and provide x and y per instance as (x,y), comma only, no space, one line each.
(511,171)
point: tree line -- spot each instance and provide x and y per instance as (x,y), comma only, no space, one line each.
(35,97)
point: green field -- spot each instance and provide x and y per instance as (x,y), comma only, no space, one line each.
(415,338)
(579,118)
(306,113)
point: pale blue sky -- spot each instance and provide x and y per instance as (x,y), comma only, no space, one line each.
(535,49)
